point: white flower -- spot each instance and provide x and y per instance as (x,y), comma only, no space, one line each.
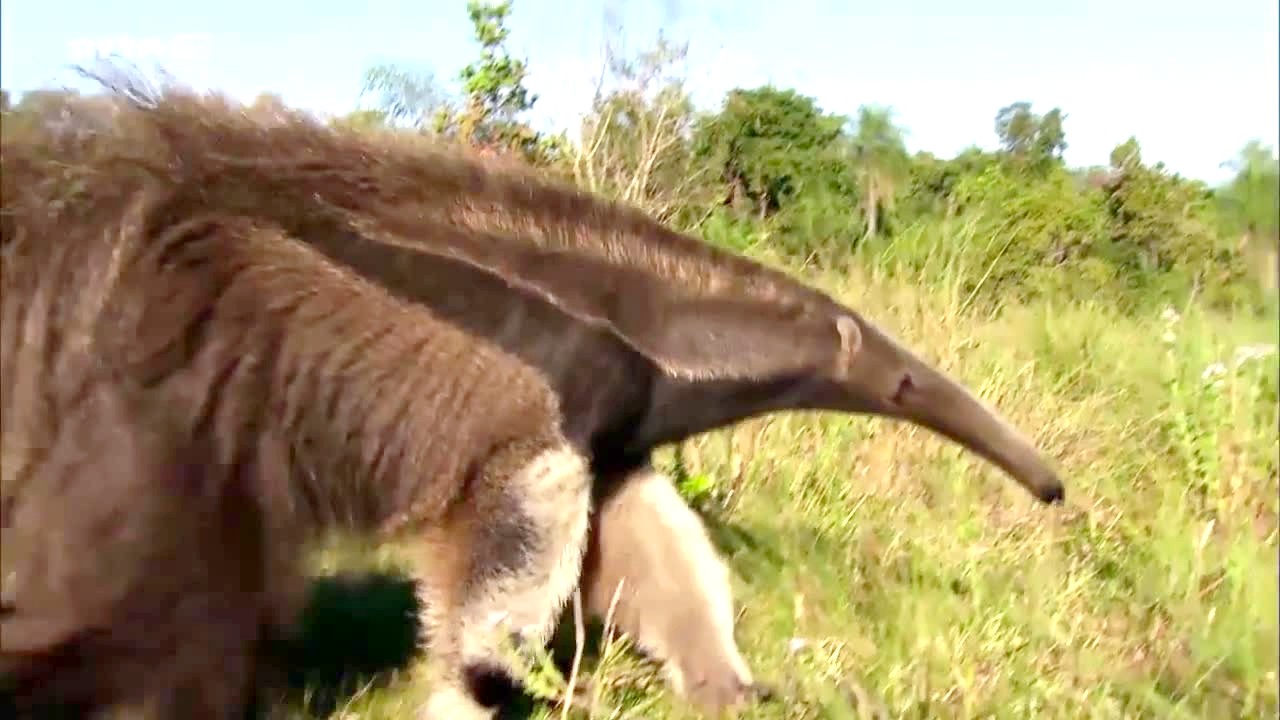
(1213,372)
(1249,353)
(1170,316)
(1169,337)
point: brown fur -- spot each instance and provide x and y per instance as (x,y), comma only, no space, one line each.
(385,185)
(676,603)
(677,595)
(715,337)
(188,392)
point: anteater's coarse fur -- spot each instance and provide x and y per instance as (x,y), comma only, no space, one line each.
(188,392)
(647,336)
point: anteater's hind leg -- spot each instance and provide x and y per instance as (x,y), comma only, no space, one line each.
(500,569)
(651,552)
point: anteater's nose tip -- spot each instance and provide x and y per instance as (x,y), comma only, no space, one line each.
(1051,492)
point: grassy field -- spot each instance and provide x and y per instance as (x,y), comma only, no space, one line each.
(878,567)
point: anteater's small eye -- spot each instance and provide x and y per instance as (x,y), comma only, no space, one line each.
(904,386)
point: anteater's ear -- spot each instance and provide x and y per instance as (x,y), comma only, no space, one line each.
(850,340)
(716,337)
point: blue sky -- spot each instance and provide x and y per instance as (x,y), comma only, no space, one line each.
(1193,80)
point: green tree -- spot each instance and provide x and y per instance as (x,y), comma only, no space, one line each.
(881,163)
(1051,140)
(1034,235)
(932,181)
(1127,155)
(1251,201)
(769,145)
(402,97)
(1163,235)
(634,143)
(1031,141)
(495,94)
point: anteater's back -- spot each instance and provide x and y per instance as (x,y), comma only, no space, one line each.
(185,391)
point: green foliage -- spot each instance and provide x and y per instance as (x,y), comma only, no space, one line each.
(695,489)
(1135,234)
(1126,155)
(1202,390)
(1250,203)
(769,146)
(1014,239)
(402,98)
(880,161)
(496,80)
(494,85)
(1163,233)
(493,96)
(932,181)
(633,144)
(821,227)
(1041,234)
(1031,141)
(729,230)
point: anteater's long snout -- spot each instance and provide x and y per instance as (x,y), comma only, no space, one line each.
(933,400)
(892,381)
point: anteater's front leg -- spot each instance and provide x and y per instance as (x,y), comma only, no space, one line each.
(500,568)
(675,600)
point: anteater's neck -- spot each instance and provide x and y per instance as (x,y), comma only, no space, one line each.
(680,408)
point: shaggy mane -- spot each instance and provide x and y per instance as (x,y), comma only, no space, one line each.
(305,174)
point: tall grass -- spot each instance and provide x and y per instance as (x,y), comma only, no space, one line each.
(881,569)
